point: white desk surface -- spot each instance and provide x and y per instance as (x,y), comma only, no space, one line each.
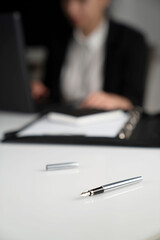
(38,205)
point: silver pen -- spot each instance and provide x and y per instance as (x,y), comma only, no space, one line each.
(111,186)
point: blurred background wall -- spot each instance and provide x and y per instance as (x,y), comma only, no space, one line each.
(40,20)
(143,14)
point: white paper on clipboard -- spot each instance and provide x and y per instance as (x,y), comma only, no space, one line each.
(106,124)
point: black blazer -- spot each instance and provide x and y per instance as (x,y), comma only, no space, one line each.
(124,66)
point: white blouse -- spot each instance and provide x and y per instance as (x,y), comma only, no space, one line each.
(82,72)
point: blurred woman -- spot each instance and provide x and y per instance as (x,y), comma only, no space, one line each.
(99,64)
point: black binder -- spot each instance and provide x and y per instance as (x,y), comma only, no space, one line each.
(145,132)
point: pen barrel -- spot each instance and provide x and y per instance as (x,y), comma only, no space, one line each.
(122,183)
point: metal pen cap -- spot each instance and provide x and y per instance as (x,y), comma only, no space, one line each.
(61,166)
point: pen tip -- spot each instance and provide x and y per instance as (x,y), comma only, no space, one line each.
(85,194)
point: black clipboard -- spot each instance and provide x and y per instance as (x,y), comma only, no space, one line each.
(145,132)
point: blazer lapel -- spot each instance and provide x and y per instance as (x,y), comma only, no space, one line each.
(110,51)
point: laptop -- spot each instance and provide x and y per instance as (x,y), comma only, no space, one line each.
(15,94)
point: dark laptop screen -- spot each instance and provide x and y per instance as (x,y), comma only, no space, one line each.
(14,79)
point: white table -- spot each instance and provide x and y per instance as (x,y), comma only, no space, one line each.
(38,205)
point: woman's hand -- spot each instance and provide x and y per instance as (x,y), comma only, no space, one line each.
(106,101)
(39,91)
